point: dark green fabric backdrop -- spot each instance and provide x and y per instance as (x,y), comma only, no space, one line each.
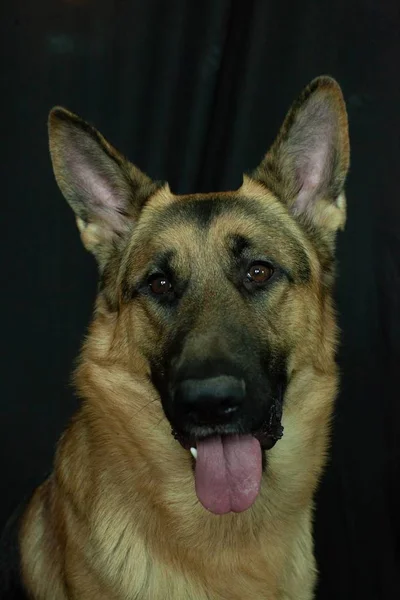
(194,92)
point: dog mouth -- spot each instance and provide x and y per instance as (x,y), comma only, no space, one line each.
(266,438)
(228,464)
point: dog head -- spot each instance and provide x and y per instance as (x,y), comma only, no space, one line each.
(221,297)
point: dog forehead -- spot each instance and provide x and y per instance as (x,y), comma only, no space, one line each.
(187,232)
(201,209)
(185,225)
(214,213)
(234,209)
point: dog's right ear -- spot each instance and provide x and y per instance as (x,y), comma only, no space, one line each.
(104,189)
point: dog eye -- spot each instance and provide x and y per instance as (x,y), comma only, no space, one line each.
(259,273)
(159,285)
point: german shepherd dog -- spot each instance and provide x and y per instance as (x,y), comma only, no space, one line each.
(207,379)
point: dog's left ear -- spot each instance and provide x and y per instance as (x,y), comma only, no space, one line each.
(307,165)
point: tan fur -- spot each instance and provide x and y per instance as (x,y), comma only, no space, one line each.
(119,518)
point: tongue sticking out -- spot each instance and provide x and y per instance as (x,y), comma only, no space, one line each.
(228,473)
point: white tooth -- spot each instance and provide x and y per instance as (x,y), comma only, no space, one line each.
(193,452)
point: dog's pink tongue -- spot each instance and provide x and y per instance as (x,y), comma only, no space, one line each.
(228,473)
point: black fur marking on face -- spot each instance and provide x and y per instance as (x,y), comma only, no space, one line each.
(238,245)
(203,211)
(161,264)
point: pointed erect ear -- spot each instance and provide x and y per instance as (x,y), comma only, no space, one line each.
(105,190)
(307,165)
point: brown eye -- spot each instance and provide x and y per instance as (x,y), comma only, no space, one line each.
(259,273)
(159,285)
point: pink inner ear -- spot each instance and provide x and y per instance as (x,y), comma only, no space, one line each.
(312,142)
(312,174)
(98,189)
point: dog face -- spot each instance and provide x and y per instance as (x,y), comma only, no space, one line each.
(222,296)
(215,287)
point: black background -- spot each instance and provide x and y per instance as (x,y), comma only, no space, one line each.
(194,92)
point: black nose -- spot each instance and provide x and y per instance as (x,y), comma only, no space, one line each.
(211,400)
